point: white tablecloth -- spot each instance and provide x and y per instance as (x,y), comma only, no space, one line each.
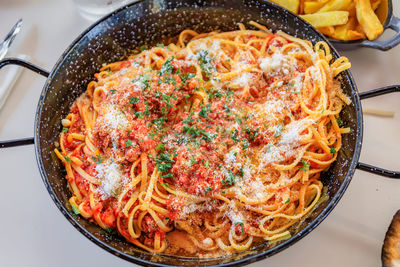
(35,233)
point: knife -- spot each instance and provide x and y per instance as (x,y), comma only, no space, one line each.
(10,38)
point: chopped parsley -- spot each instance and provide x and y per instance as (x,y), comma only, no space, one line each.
(65,130)
(234,136)
(160,147)
(144,80)
(229,95)
(75,209)
(168,175)
(287,201)
(166,67)
(207,164)
(139,114)
(195,131)
(97,159)
(67,159)
(165,98)
(306,165)
(170,80)
(160,45)
(128,143)
(241,226)
(333,150)
(112,91)
(164,161)
(109,230)
(253,133)
(205,110)
(214,94)
(143,47)
(278,130)
(246,144)
(185,77)
(133,100)
(238,120)
(339,121)
(163,167)
(159,122)
(230,179)
(146,111)
(208,189)
(205,63)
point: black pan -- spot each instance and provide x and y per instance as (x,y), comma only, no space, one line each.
(148,22)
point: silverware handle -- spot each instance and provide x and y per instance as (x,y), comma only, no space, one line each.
(10,38)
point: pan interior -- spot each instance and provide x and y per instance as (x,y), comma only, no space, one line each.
(149,22)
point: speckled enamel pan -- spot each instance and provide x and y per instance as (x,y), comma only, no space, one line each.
(148,22)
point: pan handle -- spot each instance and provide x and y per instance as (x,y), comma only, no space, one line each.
(394,24)
(25,64)
(32,67)
(367,167)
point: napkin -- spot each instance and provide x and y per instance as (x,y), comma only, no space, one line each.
(8,76)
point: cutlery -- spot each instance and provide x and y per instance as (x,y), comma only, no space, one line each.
(10,38)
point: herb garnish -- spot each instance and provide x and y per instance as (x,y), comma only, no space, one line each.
(306,165)
(205,63)
(97,159)
(241,225)
(208,189)
(278,130)
(128,143)
(133,100)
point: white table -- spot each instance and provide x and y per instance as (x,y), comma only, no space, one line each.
(35,233)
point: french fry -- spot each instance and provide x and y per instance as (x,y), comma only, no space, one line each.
(347,32)
(352,9)
(313,7)
(368,19)
(325,19)
(342,19)
(301,7)
(333,5)
(355,35)
(329,31)
(291,5)
(375,4)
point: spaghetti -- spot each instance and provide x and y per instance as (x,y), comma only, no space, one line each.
(206,145)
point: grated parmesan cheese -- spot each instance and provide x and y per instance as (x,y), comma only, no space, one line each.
(215,48)
(292,133)
(287,146)
(111,179)
(234,214)
(243,79)
(193,207)
(297,83)
(114,118)
(276,63)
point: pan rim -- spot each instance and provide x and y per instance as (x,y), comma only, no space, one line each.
(245,260)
